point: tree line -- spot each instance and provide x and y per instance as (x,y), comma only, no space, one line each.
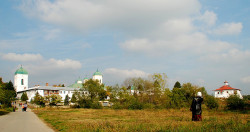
(7,94)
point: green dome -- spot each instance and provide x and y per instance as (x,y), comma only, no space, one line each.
(21,71)
(97,73)
(76,85)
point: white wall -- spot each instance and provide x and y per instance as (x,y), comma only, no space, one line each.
(17,82)
(226,93)
(98,77)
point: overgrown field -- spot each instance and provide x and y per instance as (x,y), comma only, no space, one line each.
(141,120)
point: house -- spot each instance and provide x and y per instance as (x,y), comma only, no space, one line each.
(226,90)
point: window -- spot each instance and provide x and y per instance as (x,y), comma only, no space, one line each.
(21,81)
(218,92)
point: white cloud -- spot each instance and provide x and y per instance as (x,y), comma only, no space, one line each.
(196,43)
(209,17)
(82,15)
(118,75)
(231,56)
(245,79)
(22,57)
(38,65)
(229,29)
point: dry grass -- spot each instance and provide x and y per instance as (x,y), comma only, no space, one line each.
(141,120)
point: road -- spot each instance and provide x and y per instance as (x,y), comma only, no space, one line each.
(22,122)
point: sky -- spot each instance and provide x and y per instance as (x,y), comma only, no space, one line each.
(58,41)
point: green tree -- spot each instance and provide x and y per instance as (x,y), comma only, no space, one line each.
(94,88)
(66,100)
(211,102)
(53,99)
(234,102)
(24,97)
(39,100)
(177,85)
(7,93)
(73,99)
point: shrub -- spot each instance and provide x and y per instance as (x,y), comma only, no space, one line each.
(135,105)
(235,103)
(211,102)
(96,105)
(117,105)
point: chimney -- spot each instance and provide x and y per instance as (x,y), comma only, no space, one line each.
(47,84)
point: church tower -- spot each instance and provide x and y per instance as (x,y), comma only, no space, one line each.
(98,76)
(21,79)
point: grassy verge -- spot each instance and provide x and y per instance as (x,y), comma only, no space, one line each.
(3,112)
(141,120)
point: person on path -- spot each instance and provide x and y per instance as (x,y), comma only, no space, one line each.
(25,106)
(196,107)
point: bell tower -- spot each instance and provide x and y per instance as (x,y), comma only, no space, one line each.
(21,80)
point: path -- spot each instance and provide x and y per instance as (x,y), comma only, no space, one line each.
(22,122)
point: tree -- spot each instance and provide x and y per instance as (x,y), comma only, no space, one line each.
(66,100)
(24,97)
(211,102)
(53,99)
(234,102)
(94,88)
(177,85)
(39,100)
(7,93)
(161,78)
(73,99)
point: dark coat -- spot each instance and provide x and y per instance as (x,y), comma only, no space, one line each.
(196,106)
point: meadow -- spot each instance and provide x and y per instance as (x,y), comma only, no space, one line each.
(141,120)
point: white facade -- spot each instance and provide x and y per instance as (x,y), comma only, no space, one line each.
(21,82)
(226,91)
(98,77)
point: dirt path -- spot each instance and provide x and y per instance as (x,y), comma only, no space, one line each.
(22,122)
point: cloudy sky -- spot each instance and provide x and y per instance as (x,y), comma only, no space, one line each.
(57,41)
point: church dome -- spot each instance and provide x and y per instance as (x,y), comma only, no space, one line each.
(97,73)
(21,71)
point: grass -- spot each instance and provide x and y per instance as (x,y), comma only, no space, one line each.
(141,120)
(3,112)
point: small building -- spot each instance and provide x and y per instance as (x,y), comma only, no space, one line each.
(226,90)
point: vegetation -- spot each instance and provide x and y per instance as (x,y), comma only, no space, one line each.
(7,94)
(235,103)
(66,100)
(38,100)
(53,99)
(141,120)
(24,97)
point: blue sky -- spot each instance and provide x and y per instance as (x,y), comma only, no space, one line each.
(202,42)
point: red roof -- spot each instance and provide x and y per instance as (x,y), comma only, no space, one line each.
(226,87)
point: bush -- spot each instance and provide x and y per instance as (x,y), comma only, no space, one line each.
(235,103)
(211,102)
(135,105)
(148,106)
(117,105)
(96,105)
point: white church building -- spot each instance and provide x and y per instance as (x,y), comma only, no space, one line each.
(226,90)
(21,86)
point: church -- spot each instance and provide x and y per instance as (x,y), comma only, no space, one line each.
(21,79)
(226,90)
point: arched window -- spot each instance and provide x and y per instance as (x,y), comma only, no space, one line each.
(21,81)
